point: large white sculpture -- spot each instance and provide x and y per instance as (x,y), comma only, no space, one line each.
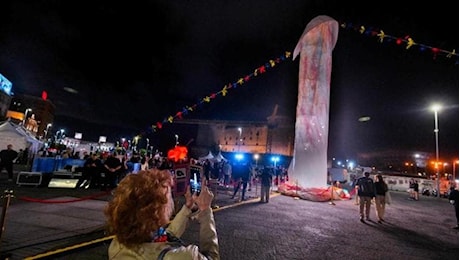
(308,168)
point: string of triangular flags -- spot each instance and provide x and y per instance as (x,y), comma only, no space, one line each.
(223,92)
(406,40)
(369,31)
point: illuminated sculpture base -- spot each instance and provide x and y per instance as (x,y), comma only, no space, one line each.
(313,194)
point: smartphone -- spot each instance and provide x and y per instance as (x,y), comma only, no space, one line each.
(195,182)
(195,187)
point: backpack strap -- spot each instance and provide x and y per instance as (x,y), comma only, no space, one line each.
(163,252)
(174,242)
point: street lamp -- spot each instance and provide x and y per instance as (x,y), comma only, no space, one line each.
(453,169)
(25,116)
(48,126)
(59,136)
(240,130)
(256,157)
(436,108)
(444,167)
(275,159)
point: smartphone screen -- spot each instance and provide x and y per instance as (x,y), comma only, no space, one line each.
(195,187)
(195,183)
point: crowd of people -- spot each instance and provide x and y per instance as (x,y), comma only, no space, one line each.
(105,170)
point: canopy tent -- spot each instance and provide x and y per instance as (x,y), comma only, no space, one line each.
(219,157)
(209,156)
(20,138)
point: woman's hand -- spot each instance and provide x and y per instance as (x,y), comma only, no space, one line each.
(205,198)
(189,198)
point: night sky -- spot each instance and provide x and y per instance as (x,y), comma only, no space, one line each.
(115,69)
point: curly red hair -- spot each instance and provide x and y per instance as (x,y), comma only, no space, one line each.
(141,204)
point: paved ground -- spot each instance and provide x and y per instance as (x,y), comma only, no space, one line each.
(55,223)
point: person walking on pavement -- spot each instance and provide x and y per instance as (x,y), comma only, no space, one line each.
(207,168)
(7,157)
(227,169)
(416,194)
(411,189)
(381,188)
(453,199)
(241,173)
(366,192)
(140,218)
(266,182)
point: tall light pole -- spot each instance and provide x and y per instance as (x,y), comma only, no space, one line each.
(240,131)
(453,169)
(48,126)
(436,108)
(275,159)
(256,157)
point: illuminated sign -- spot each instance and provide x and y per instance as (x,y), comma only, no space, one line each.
(5,85)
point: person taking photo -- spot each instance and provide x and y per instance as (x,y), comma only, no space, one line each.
(139,217)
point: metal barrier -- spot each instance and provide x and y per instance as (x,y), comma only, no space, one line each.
(7,195)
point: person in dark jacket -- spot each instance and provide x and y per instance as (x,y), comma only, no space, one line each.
(91,175)
(266,182)
(381,189)
(366,192)
(112,168)
(453,199)
(7,157)
(241,173)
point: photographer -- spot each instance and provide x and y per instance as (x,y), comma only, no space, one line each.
(139,217)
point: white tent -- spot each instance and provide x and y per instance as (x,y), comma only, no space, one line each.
(209,156)
(20,138)
(219,157)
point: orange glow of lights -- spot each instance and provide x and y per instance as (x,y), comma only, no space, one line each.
(178,153)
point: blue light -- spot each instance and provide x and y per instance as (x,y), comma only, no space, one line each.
(239,156)
(275,159)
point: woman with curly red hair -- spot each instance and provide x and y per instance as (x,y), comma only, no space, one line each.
(139,215)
